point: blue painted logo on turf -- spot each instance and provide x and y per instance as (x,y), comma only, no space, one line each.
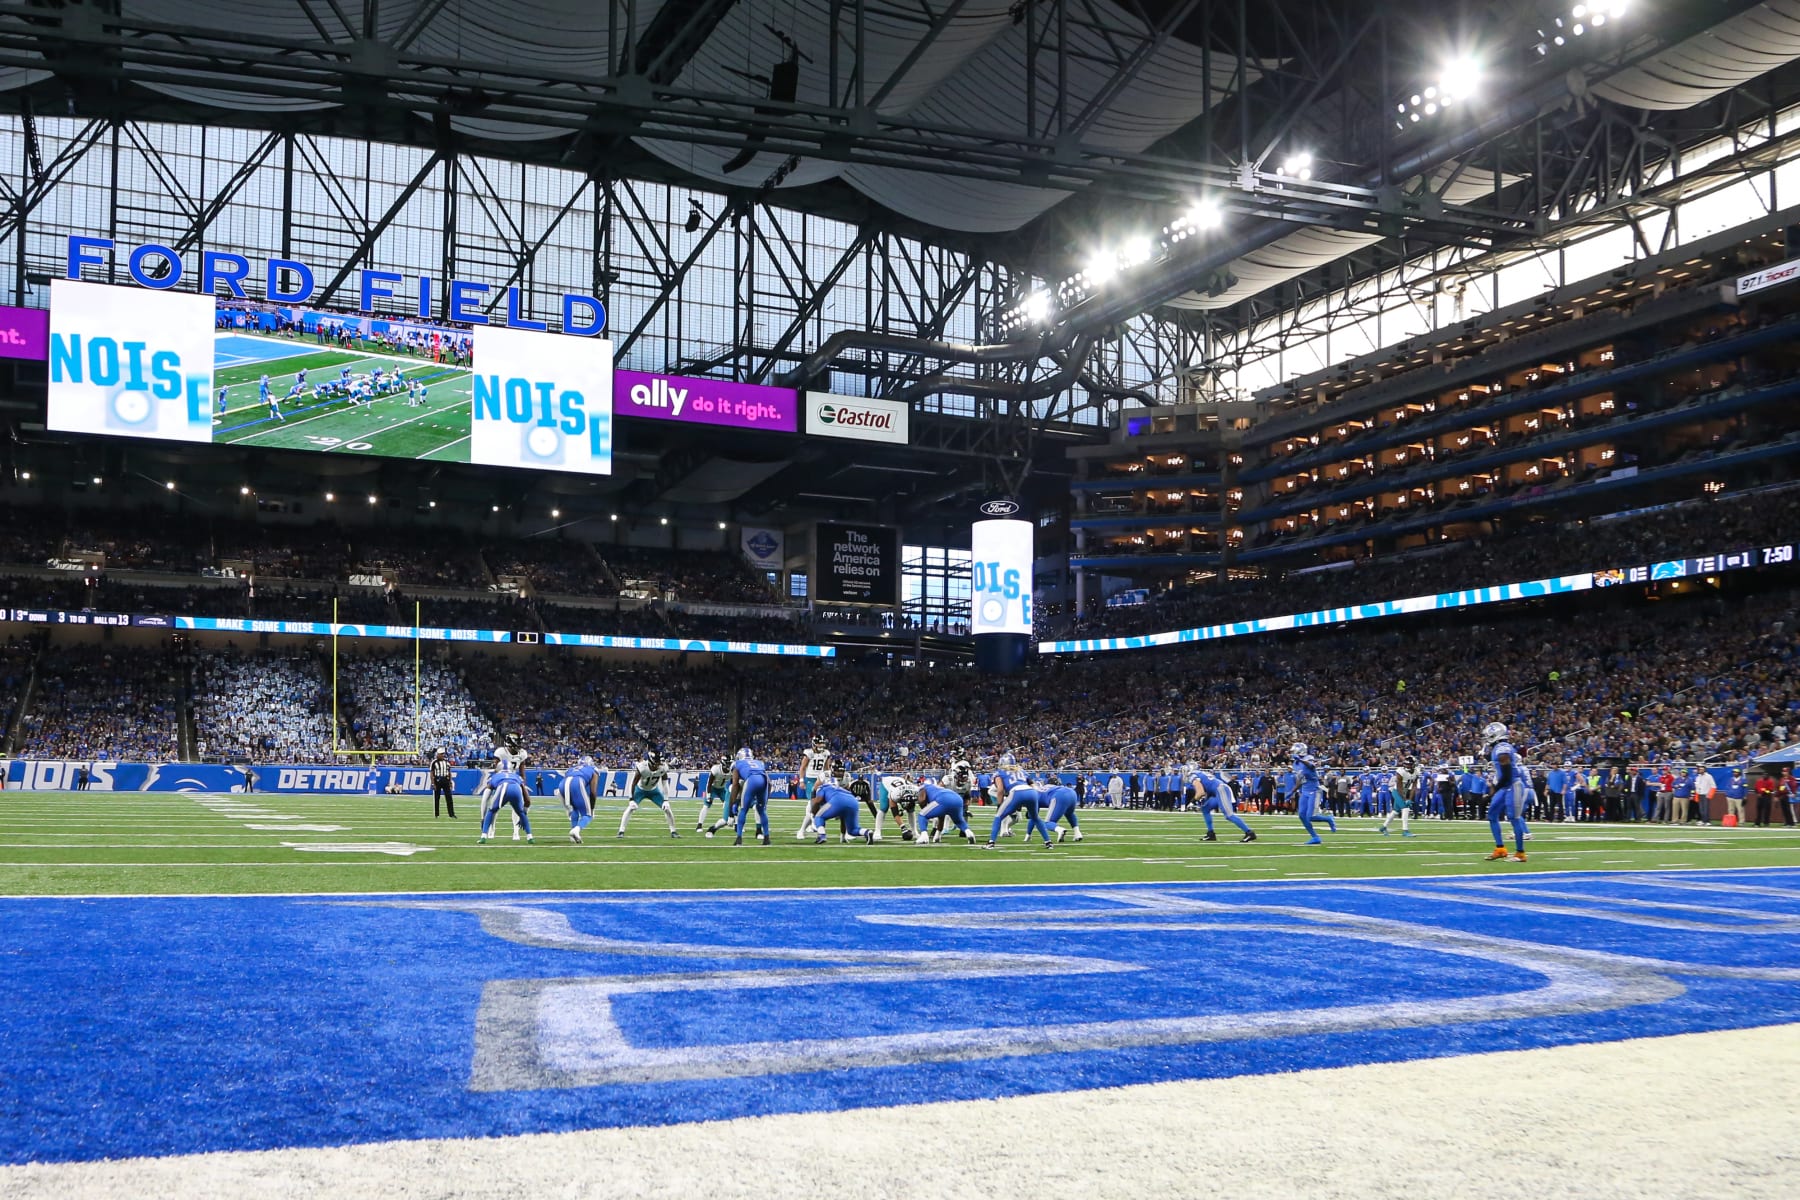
(170,1025)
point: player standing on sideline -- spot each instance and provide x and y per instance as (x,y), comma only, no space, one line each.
(718,790)
(1404,793)
(840,804)
(223,392)
(505,786)
(1062,802)
(646,787)
(1510,787)
(750,785)
(1017,792)
(1214,795)
(941,802)
(815,772)
(580,792)
(1306,779)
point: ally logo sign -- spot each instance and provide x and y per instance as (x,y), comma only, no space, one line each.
(542,401)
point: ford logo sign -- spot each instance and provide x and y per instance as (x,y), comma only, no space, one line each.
(1000,508)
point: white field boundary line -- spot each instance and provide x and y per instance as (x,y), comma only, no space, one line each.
(541,895)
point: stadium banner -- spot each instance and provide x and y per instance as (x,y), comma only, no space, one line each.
(1768,277)
(102,775)
(1000,574)
(705,401)
(339,629)
(129,363)
(865,420)
(542,401)
(1560,585)
(603,641)
(856,564)
(57,616)
(764,549)
(24,333)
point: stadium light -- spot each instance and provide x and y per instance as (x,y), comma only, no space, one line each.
(329,497)
(244,490)
(555,514)
(721,524)
(1458,81)
(1581,19)
(665,520)
(496,508)
(431,504)
(1135,252)
(1297,165)
(170,485)
(614,517)
(1035,309)
(1101,267)
(25,475)
(373,499)
(96,481)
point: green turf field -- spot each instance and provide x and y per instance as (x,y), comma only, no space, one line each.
(439,431)
(143,842)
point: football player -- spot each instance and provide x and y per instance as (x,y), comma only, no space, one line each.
(1306,781)
(1062,802)
(647,777)
(750,786)
(938,802)
(1214,795)
(580,792)
(1016,793)
(1510,786)
(718,791)
(505,787)
(838,803)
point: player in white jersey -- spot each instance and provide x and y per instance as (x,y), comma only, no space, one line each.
(815,772)
(508,756)
(646,788)
(1510,791)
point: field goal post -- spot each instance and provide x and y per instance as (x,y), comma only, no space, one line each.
(418,692)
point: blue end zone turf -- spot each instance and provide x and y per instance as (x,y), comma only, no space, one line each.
(169,1025)
(234,350)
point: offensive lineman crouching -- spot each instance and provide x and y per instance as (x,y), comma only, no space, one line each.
(838,803)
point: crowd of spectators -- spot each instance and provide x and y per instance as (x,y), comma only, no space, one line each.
(713,576)
(1532,551)
(270,707)
(382,705)
(554,566)
(15,669)
(419,558)
(97,702)
(614,620)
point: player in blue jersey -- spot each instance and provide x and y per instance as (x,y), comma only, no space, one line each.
(838,803)
(718,791)
(1306,782)
(935,802)
(505,787)
(1018,793)
(750,786)
(1214,795)
(1062,802)
(1510,786)
(580,791)
(223,393)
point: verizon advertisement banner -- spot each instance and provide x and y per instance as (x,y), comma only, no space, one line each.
(849,417)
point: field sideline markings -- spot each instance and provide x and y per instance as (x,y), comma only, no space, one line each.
(702,895)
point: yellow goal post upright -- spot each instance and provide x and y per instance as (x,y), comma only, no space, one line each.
(416,749)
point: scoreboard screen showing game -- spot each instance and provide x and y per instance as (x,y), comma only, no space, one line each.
(180,366)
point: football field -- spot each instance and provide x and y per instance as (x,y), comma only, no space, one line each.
(173,842)
(438,430)
(227,994)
